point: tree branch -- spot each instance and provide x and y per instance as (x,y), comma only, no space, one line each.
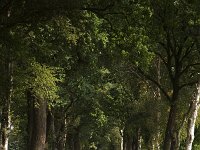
(188,84)
(30,14)
(187,52)
(188,67)
(168,63)
(161,57)
(148,77)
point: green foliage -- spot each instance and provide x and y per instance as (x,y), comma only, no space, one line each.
(42,81)
(84,59)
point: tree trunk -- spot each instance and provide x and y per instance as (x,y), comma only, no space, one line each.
(70,141)
(169,141)
(36,122)
(122,140)
(50,133)
(137,140)
(77,144)
(60,133)
(5,121)
(158,113)
(192,119)
(30,112)
(175,143)
(129,143)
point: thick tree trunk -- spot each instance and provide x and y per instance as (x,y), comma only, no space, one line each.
(5,126)
(169,141)
(77,144)
(73,139)
(137,140)
(60,124)
(127,140)
(5,121)
(175,140)
(70,141)
(131,142)
(124,141)
(192,119)
(36,122)
(50,135)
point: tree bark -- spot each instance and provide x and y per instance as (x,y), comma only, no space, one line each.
(60,126)
(137,140)
(77,144)
(158,99)
(168,141)
(129,143)
(5,121)
(192,119)
(36,122)
(122,140)
(50,133)
(132,142)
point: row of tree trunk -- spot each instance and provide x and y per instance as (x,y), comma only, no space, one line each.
(41,125)
(46,130)
(131,142)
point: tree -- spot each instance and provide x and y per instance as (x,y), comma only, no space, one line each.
(98,74)
(192,119)
(178,47)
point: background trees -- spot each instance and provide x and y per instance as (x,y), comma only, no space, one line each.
(99,75)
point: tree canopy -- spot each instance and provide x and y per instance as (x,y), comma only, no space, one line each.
(99,75)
